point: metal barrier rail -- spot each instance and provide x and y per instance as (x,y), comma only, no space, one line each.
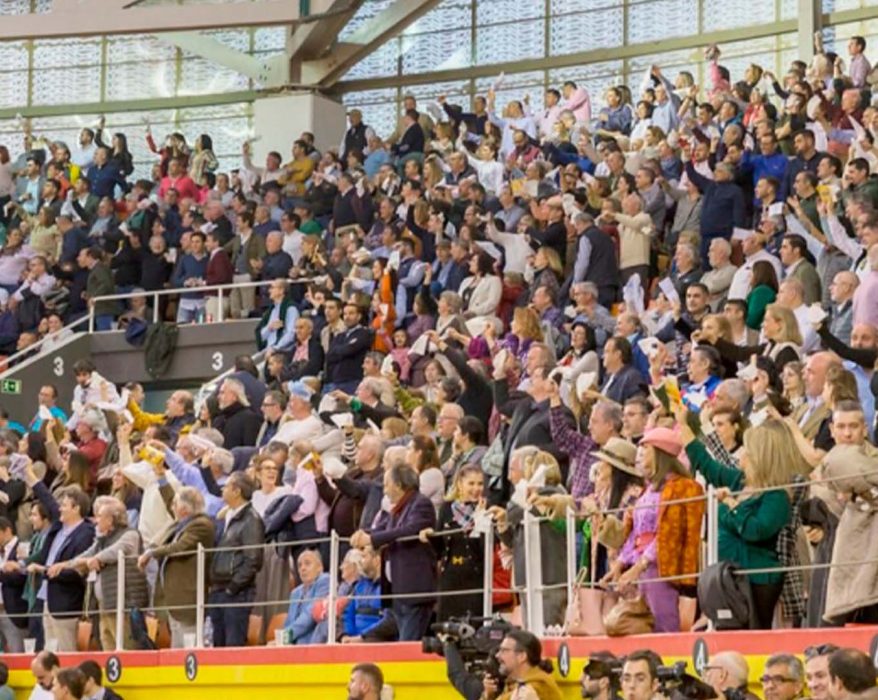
(531,591)
(220,289)
(37,348)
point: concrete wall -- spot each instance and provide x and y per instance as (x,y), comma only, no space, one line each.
(203,352)
(280,120)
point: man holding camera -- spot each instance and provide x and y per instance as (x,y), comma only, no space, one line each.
(600,677)
(527,673)
(640,676)
(727,674)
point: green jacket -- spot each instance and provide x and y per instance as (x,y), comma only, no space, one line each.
(757,300)
(748,532)
(100,283)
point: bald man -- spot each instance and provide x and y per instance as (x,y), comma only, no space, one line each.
(810,415)
(727,670)
(841,312)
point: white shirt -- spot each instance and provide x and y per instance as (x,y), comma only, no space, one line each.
(40,693)
(810,339)
(8,555)
(741,281)
(294,430)
(292,245)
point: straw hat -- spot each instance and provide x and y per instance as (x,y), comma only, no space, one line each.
(620,454)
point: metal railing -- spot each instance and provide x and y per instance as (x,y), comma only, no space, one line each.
(530,590)
(37,348)
(222,291)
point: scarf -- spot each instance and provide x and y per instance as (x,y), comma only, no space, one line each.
(462,513)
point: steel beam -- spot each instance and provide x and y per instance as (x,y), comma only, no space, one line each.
(573,59)
(367,38)
(95,18)
(312,40)
(270,73)
(145,105)
(809,22)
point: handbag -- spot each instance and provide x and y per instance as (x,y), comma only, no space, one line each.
(84,627)
(629,616)
(585,613)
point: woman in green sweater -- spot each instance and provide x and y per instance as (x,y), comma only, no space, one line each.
(749,518)
(763,291)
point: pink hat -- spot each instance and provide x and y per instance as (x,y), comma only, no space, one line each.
(663,439)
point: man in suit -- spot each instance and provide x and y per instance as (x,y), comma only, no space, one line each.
(246,250)
(94,678)
(529,415)
(411,563)
(62,588)
(793,251)
(83,202)
(13,580)
(177,582)
(622,379)
(99,283)
(810,414)
(412,140)
(347,350)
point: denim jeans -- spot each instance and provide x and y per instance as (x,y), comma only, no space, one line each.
(412,619)
(230,623)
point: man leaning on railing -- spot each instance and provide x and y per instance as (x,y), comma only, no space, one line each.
(233,570)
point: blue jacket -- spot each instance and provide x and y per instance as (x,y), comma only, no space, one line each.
(362,614)
(104,180)
(65,592)
(304,629)
(722,208)
(766,166)
(190,267)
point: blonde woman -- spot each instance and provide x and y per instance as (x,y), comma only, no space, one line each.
(781,330)
(534,473)
(751,519)
(461,555)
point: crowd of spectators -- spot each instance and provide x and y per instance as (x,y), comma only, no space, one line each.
(604,308)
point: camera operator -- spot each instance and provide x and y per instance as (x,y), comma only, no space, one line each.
(527,673)
(600,677)
(640,679)
(468,684)
(727,674)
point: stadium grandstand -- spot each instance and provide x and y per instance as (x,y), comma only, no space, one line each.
(496,349)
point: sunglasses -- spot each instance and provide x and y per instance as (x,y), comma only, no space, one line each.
(816,650)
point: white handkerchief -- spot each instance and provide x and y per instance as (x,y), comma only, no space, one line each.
(741,234)
(816,314)
(342,420)
(669,290)
(649,346)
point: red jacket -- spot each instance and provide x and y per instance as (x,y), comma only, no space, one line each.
(219,270)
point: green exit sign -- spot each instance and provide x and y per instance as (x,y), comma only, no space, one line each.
(10,386)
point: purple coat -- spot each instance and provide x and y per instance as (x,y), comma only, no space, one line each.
(412,563)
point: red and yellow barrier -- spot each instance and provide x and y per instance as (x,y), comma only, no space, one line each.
(321,673)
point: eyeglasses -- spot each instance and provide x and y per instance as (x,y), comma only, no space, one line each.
(816,650)
(776,680)
(506,650)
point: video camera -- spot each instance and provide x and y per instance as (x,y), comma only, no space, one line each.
(476,646)
(674,682)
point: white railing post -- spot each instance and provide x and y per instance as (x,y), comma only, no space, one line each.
(712,526)
(199,597)
(488,601)
(220,315)
(156,298)
(331,618)
(570,518)
(120,601)
(91,318)
(533,576)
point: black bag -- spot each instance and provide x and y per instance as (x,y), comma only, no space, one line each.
(725,597)
(161,341)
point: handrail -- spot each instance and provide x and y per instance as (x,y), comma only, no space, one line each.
(156,293)
(36,348)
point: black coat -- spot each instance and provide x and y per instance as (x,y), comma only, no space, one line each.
(529,425)
(235,571)
(239,425)
(14,601)
(305,368)
(347,350)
